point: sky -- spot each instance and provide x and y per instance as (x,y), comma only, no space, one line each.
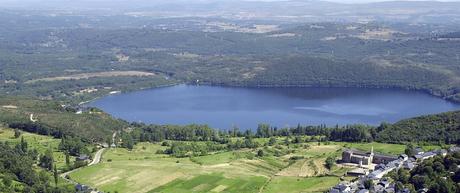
(338,1)
(373,1)
(26,3)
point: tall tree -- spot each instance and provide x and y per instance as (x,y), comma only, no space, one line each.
(46,160)
(56,177)
(17,133)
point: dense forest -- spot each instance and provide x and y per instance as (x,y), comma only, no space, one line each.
(322,54)
(18,174)
(444,128)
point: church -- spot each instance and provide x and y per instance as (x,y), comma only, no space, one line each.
(357,157)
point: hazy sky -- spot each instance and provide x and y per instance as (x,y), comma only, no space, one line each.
(22,3)
(363,1)
(338,1)
(370,1)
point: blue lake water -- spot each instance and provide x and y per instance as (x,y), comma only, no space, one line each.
(227,107)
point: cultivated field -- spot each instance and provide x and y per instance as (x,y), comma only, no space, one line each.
(295,168)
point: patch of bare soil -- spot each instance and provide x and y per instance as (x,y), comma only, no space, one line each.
(93,75)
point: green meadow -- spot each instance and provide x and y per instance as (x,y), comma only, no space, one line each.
(142,170)
(283,168)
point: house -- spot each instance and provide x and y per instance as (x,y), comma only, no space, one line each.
(405,190)
(424,190)
(408,165)
(341,188)
(419,151)
(378,188)
(403,157)
(105,145)
(83,157)
(441,152)
(454,149)
(384,183)
(383,159)
(358,172)
(363,191)
(428,155)
(377,174)
(81,188)
(389,190)
(380,166)
(357,157)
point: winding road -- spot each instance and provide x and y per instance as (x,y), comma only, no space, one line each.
(97,157)
(96,160)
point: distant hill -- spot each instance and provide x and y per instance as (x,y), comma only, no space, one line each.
(444,127)
(296,9)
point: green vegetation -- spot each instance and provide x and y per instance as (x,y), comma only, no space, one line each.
(56,120)
(296,167)
(167,158)
(66,59)
(213,183)
(319,54)
(440,128)
(144,170)
(19,156)
(37,142)
(297,184)
(386,148)
(438,174)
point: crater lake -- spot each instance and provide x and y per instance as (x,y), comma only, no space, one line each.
(245,108)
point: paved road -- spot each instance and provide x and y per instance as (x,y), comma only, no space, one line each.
(97,157)
(96,160)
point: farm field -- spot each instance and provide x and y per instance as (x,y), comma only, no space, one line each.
(298,184)
(287,168)
(141,170)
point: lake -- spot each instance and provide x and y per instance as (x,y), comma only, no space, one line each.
(227,107)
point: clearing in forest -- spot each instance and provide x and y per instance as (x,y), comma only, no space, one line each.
(93,75)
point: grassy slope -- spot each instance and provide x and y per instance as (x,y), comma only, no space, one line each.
(39,142)
(95,126)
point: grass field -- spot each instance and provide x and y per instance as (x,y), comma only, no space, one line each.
(142,170)
(392,149)
(287,184)
(385,148)
(213,183)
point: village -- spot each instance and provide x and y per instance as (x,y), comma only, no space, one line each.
(374,168)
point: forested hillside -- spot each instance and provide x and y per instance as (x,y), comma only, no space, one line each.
(80,57)
(444,128)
